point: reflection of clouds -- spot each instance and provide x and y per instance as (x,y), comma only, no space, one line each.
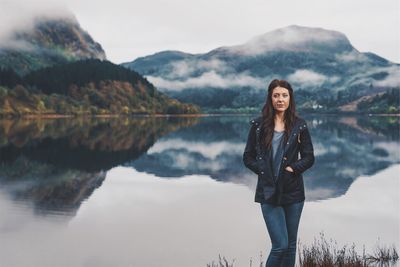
(211,165)
(347,172)
(185,161)
(208,150)
(182,161)
(392,148)
(320,193)
(321,149)
(316,122)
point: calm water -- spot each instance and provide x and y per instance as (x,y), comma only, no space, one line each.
(174,192)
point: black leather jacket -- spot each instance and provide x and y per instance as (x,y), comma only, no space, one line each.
(288,187)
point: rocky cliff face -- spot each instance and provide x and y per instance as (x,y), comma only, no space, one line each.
(49,41)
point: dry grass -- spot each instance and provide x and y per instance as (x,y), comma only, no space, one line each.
(324,253)
(222,262)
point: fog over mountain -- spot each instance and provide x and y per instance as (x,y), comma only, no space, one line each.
(312,59)
(27,14)
(43,39)
(309,57)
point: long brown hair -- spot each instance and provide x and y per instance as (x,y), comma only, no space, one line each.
(268,113)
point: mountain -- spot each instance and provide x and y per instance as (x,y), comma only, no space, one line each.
(47,42)
(85,87)
(325,70)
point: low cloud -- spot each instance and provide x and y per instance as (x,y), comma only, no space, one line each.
(292,38)
(393,78)
(306,77)
(209,79)
(20,16)
(351,56)
(185,68)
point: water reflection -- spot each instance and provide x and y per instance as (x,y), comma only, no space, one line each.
(83,144)
(57,164)
(345,148)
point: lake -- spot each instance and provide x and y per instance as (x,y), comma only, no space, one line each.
(173,191)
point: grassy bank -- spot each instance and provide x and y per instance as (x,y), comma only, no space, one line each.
(324,253)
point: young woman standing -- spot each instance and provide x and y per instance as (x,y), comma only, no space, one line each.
(274,143)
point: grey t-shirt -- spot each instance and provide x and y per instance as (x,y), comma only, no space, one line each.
(277,151)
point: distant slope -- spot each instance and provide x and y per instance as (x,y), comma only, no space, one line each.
(322,65)
(48,42)
(86,87)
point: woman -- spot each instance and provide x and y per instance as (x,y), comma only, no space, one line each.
(272,152)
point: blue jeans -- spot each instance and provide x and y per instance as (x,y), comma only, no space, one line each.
(282,224)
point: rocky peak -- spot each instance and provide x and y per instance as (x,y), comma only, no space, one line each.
(47,41)
(62,33)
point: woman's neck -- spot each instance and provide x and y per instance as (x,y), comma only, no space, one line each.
(279,117)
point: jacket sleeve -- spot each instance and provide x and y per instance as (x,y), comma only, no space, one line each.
(306,153)
(249,154)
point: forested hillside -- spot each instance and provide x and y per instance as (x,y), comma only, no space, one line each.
(84,87)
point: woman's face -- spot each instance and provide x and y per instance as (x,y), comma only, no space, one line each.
(280,99)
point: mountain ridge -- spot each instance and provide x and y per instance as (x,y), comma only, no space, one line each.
(322,62)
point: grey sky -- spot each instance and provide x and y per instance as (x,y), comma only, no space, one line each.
(128,29)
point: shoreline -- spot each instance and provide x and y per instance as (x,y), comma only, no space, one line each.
(65,116)
(61,116)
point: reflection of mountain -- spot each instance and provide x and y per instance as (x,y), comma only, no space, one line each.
(49,189)
(57,164)
(208,148)
(214,147)
(345,151)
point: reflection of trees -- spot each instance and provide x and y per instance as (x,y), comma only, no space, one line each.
(384,126)
(57,164)
(85,144)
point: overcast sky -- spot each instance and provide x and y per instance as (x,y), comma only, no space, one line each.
(128,29)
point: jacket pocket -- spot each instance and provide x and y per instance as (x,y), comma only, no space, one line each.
(269,192)
(291,181)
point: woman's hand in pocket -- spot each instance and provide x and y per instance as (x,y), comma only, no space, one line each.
(289,169)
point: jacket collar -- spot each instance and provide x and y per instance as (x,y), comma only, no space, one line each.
(299,125)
